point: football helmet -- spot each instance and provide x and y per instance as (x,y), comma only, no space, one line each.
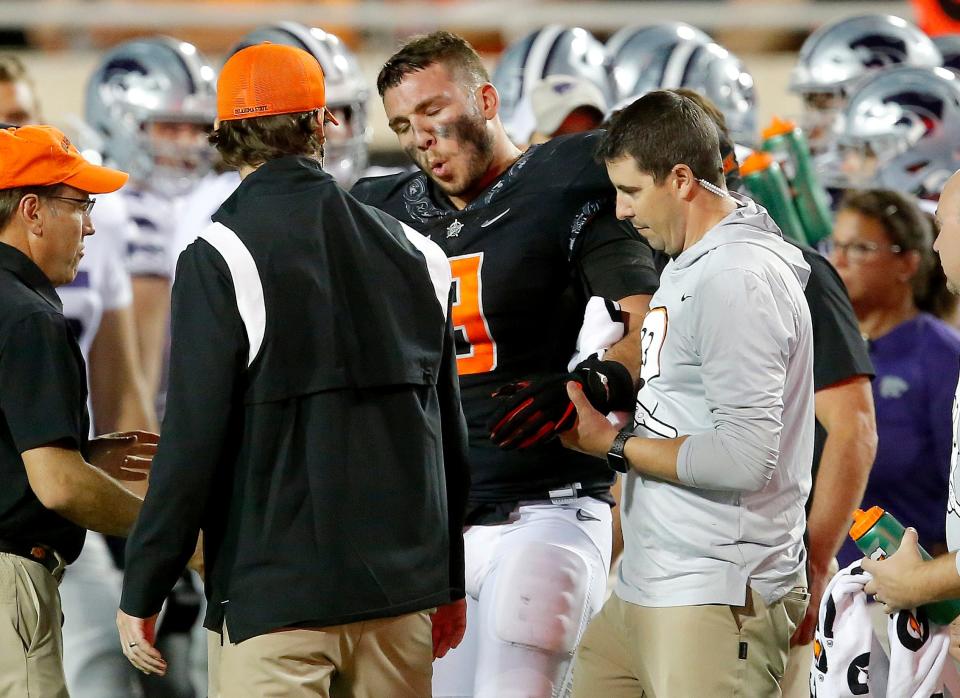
(346,145)
(552,50)
(152,101)
(901,130)
(837,55)
(674,54)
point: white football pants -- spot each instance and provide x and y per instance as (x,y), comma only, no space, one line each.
(532,585)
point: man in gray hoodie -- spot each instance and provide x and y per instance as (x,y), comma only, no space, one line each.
(712,583)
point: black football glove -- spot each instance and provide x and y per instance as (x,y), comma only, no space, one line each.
(534,411)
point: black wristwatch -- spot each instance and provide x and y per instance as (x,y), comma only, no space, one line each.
(615,458)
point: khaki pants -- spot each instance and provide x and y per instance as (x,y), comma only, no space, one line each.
(386,657)
(796,681)
(31,644)
(686,651)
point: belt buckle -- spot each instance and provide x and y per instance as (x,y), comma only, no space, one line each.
(565,495)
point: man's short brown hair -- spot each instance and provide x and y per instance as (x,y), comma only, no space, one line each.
(10,200)
(453,51)
(702,101)
(661,130)
(254,141)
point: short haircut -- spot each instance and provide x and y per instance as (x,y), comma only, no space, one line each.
(704,102)
(661,130)
(10,200)
(254,141)
(453,51)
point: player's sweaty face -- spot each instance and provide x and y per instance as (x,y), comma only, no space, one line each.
(440,127)
(643,203)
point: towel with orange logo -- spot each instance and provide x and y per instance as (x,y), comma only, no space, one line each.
(848,660)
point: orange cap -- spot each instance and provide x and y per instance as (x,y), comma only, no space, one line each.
(863,521)
(755,162)
(269,79)
(36,156)
(778,127)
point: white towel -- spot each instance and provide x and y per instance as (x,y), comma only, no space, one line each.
(848,661)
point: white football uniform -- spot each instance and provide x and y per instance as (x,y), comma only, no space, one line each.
(203,200)
(102,282)
(532,586)
(514,640)
(153,232)
(197,207)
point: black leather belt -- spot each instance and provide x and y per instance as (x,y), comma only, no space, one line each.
(43,554)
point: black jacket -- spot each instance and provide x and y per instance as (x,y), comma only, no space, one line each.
(313,424)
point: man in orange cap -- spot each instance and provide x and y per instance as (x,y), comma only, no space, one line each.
(313,427)
(51,493)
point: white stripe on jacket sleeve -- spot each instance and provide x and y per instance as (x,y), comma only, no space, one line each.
(246,282)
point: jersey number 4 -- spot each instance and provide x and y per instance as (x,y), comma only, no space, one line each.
(471,327)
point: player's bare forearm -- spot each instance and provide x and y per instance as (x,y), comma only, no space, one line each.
(635,306)
(847,414)
(627,350)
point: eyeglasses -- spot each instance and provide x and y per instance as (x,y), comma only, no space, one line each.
(85,205)
(857,252)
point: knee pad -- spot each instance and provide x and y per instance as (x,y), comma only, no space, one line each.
(543,597)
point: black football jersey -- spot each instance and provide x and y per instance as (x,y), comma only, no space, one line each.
(525,256)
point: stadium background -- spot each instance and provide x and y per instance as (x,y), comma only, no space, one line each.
(61,40)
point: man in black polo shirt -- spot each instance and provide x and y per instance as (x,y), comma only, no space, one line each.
(50,492)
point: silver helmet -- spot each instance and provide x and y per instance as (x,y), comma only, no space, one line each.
(552,50)
(836,55)
(138,88)
(674,54)
(902,131)
(345,149)
(949,47)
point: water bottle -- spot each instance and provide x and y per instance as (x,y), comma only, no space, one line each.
(766,183)
(878,535)
(789,147)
